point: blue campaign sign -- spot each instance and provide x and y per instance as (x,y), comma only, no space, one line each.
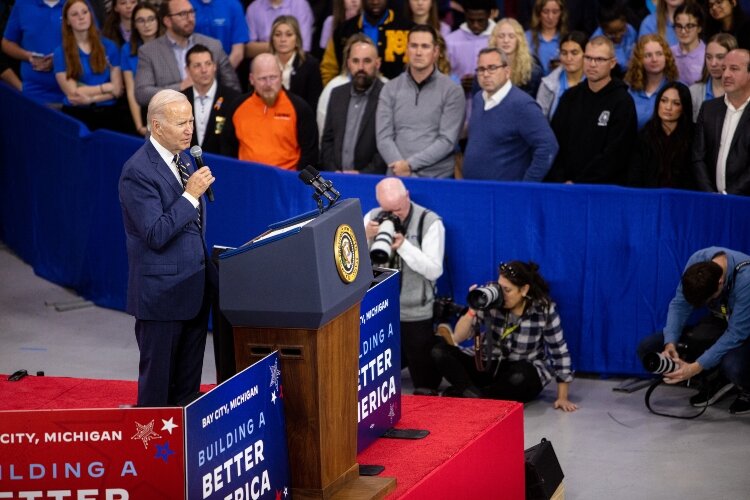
(379,399)
(235,437)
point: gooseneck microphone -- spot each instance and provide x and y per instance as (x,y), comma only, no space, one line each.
(323,188)
(197,153)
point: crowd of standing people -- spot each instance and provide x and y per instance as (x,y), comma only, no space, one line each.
(637,93)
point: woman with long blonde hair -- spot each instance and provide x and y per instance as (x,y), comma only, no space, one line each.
(650,68)
(525,70)
(87,68)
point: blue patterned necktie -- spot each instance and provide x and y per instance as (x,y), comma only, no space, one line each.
(184,176)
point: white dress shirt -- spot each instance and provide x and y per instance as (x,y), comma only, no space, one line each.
(169,160)
(202,109)
(490,101)
(731,120)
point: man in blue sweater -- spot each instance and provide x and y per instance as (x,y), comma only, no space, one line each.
(719,279)
(509,137)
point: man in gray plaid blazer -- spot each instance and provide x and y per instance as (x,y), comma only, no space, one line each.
(161,62)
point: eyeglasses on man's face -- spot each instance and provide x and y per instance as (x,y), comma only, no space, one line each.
(184,14)
(596,60)
(489,69)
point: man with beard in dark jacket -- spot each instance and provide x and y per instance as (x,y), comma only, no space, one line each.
(595,123)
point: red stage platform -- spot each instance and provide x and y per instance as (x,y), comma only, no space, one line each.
(474,449)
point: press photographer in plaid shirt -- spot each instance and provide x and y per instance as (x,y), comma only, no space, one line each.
(527,347)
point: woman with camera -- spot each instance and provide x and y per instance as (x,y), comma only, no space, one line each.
(526,347)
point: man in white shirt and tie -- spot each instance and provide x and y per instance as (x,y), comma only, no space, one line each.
(211,101)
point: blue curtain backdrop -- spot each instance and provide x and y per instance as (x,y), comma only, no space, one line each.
(613,256)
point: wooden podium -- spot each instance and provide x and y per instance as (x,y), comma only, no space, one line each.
(298,291)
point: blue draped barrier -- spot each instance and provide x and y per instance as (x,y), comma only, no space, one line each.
(613,256)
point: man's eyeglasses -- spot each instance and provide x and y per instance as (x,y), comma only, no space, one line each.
(183,14)
(685,27)
(596,60)
(490,70)
(145,20)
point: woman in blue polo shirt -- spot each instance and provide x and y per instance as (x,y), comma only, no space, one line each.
(87,68)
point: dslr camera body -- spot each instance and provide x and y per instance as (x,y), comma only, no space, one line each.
(380,250)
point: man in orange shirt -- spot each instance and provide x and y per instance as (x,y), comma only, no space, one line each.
(272,126)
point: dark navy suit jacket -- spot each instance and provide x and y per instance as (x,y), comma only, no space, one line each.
(167,255)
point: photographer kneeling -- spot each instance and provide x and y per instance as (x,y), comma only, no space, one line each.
(406,236)
(525,349)
(717,279)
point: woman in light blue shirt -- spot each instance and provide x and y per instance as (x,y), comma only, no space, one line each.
(651,66)
(662,21)
(567,75)
(549,22)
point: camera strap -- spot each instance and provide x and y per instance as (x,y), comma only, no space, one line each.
(656,383)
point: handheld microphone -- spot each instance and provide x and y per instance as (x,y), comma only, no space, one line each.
(197,153)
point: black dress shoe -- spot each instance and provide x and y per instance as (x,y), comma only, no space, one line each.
(423,391)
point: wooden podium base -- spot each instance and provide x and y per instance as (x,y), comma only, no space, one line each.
(319,372)
(350,486)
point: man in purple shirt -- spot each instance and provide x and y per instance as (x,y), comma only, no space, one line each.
(465,43)
(260,16)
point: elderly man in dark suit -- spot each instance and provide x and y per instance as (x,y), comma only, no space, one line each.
(170,276)
(721,150)
(211,101)
(349,143)
(161,62)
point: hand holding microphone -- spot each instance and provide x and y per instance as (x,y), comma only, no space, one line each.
(197,153)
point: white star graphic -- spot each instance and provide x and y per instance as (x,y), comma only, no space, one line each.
(145,433)
(273,397)
(275,374)
(169,425)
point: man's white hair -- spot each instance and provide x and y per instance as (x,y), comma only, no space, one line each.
(158,104)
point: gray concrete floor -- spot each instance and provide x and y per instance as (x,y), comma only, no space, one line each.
(611,448)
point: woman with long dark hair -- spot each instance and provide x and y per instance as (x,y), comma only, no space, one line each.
(147,28)
(524,349)
(119,22)
(87,68)
(726,16)
(662,155)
